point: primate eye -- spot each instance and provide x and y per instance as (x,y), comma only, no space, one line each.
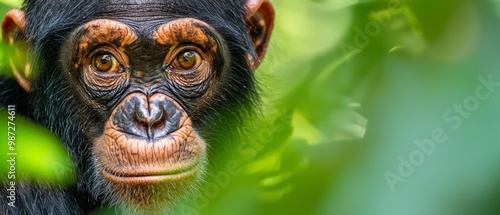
(106,63)
(187,60)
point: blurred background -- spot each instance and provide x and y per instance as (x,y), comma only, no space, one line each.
(371,107)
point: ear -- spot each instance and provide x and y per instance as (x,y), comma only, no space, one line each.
(260,23)
(13,35)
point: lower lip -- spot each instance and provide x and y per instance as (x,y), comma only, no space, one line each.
(130,180)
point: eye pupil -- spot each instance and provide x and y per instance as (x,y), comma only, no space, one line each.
(188,56)
(105,58)
(105,62)
(188,60)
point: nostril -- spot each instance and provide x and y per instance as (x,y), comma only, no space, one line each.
(159,125)
(141,122)
(155,121)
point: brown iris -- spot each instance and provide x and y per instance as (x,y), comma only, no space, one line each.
(106,63)
(187,60)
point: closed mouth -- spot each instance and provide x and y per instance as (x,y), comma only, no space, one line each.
(151,178)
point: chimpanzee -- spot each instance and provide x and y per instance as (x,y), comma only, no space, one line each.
(142,93)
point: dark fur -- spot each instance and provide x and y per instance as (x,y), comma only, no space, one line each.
(52,103)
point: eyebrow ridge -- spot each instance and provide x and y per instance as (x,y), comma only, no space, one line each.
(173,32)
(106,31)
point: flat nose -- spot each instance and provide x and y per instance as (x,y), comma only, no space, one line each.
(150,118)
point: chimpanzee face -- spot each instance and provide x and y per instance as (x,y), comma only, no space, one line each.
(147,82)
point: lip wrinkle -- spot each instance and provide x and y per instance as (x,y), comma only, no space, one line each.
(151,178)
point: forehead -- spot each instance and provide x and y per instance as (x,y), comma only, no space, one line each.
(143,16)
(155,10)
(56,17)
(137,15)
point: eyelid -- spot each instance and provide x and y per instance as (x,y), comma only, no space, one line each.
(119,68)
(106,49)
(184,48)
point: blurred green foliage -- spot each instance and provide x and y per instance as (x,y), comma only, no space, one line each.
(349,87)
(39,154)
